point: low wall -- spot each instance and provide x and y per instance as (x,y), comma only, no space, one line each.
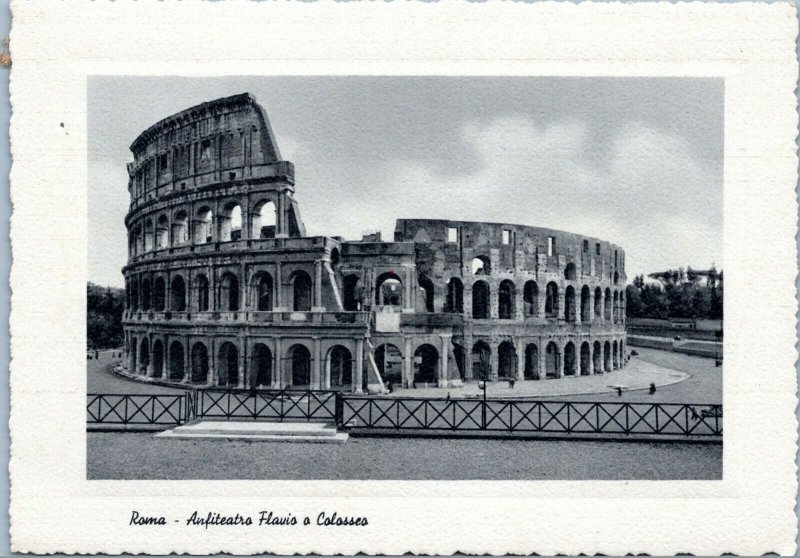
(688,347)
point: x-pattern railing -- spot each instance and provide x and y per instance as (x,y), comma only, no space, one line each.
(121,409)
(265,404)
(498,415)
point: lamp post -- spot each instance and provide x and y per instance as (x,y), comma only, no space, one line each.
(483,386)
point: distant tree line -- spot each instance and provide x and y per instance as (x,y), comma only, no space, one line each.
(677,294)
(104,307)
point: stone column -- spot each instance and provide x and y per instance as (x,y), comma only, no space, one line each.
(326,375)
(244,381)
(494,360)
(277,357)
(317,305)
(212,368)
(468,374)
(494,306)
(591,306)
(541,300)
(542,359)
(519,345)
(316,375)
(187,362)
(444,360)
(359,375)
(408,300)
(591,360)
(278,289)
(562,304)
(560,359)
(408,362)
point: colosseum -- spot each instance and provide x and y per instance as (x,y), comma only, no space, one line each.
(224,287)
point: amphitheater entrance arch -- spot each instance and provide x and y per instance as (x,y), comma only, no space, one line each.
(389,361)
(569,303)
(261,360)
(530,295)
(177,358)
(388,290)
(531,362)
(551,300)
(597,356)
(352,293)
(144,356)
(300,359)
(455,296)
(607,356)
(158,359)
(506,300)
(262,291)
(177,294)
(598,303)
(607,306)
(340,366)
(586,311)
(426,365)
(199,363)
(569,359)
(482,361)
(586,359)
(615,355)
(481,265)
(552,360)
(229,293)
(264,220)
(428,291)
(301,291)
(506,361)
(202,294)
(159,294)
(480,300)
(228,365)
(569,272)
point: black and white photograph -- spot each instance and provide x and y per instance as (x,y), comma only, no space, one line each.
(410,278)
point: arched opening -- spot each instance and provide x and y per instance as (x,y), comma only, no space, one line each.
(199,364)
(389,361)
(203,231)
(159,294)
(569,272)
(481,361)
(615,355)
(505,300)
(480,300)
(597,358)
(262,287)
(202,293)
(506,361)
(134,295)
(148,235)
(598,303)
(616,307)
(551,300)
(177,294)
(569,303)
(481,265)
(455,296)
(158,359)
(230,226)
(426,365)
(586,359)
(352,293)
(552,358)
(301,291)
(144,356)
(388,290)
(586,310)
(228,365)
(427,288)
(229,293)
(607,356)
(616,277)
(461,360)
(530,296)
(264,219)
(180,228)
(607,308)
(162,232)
(622,315)
(136,240)
(176,361)
(261,360)
(532,362)
(300,366)
(146,294)
(569,359)
(132,366)
(340,365)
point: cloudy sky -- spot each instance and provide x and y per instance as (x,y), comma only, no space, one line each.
(636,161)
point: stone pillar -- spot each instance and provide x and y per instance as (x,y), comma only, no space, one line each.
(408,300)
(187,362)
(316,374)
(277,372)
(494,360)
(212,368)
(468,374)
(408,362)
(542,360)
(591,360)
(591,306)
(494,303)
(519,302)
(247,220)
(444,360)
(244,381)
(326,375)
(542,300)
(278,289)
(519,345)
(359,375)
(602,317)
(317,304)
(562,304)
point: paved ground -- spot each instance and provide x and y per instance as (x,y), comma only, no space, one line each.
(141,456)
(100,378)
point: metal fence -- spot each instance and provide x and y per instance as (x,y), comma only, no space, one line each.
(509,416)
(266,404)
(138,410)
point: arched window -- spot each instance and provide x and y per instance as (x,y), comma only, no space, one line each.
(607,309)
(228,365)
(480,300)
(262,365)
(229,293)
(455,296)
(352,293)
(615,355)
(146,294)
(202,294)
(607,356)
(530,295)
(427,287)
(481,361)
(551,300)
(301,291)
(616,277)
(180,228)
(481,265)
(300,359)
(532,362)
(177,294)
(158,359)
(616,307)
(340,366)
(199,364)
(230,226)
(569,303)
(586,311)
(264,220)
(569,272)
(597,357)
(598,303)
(506,361)
(176,361)
(162,232)
(506,300)
(144,357)
(388,290)
(263,292)
(569,359)
(148,235)
(426,365)
(552,360)
(204,228)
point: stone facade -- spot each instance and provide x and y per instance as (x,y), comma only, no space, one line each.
(223,287)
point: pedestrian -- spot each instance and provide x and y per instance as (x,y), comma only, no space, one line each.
(619,391)
(96,353)
(511,383)
(448,396)
(390,387)
(652,388)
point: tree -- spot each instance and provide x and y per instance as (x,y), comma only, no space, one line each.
(104,308)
